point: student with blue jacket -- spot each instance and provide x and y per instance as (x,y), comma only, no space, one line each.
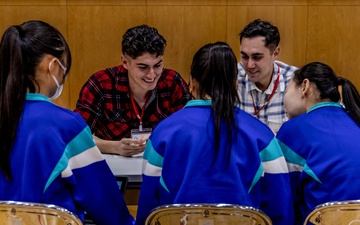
(321,139)
(213,152)
(47,153)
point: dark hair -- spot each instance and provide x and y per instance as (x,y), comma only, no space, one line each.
(327,83)
(214,67)
(143,39)
(262,28)
(22,48)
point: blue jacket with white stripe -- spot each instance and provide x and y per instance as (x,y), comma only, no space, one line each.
(55,160)
(179,165)
(321,148)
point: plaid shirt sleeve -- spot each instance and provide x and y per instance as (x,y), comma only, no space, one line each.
(179,91)
(92,95)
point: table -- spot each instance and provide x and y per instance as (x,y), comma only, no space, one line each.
(130,167)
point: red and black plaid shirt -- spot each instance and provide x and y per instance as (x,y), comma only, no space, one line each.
(105,104)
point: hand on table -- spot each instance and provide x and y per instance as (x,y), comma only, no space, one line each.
(129,146)
(125,147)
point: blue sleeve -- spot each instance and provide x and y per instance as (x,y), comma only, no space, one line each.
(149,197)
(276,199)
(296,165)
(102,199)
(94,188)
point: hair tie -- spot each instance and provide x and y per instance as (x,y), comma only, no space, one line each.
(20,31)
(339,81)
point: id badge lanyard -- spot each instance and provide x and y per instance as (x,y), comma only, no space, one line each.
(256,112)
(137,111)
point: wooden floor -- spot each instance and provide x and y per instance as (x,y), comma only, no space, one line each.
(131,198)
(133,210)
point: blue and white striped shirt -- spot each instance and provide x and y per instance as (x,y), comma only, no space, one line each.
(273,114)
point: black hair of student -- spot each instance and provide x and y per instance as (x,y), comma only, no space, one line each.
(22,48)
(143,39)
(261,28)
(327,83)
(214,67)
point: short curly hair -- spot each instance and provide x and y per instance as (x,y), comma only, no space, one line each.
(263,29)
(143,39)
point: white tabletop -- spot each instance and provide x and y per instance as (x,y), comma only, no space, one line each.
(130,167)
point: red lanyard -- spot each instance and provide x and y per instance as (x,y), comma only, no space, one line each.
(256,112)
(137,111)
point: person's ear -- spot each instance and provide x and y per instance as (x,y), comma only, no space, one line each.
(51,65)
(191,84)
(276,52)
(193,87)
(124,61)
(305,87)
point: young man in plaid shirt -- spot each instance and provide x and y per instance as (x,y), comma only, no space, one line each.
(123,104)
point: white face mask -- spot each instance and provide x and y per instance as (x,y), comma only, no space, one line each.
(59,87)
(58,90)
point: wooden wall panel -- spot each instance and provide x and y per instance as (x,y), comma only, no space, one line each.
(310,30)
(333,38)
(186,29)
(266,2)
(54,15)
(334,2)
(95,35)
(185,2)
(105,2)
(11,15)
(32,2)
(290,20)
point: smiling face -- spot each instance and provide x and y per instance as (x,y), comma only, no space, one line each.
(144,72)
(258,60)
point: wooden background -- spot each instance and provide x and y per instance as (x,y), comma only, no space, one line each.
(322,30)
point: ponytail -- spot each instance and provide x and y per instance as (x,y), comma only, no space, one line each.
(12,93)
(22,48)
(214,67)
(350,98)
